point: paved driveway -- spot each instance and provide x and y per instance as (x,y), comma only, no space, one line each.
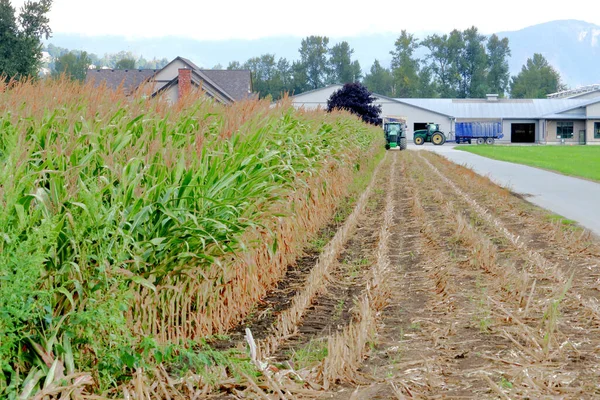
(573,198)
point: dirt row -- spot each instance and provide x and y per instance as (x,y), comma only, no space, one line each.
(476,315)
(487,296)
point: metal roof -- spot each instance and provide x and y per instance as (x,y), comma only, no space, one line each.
(502,108)
(574,92)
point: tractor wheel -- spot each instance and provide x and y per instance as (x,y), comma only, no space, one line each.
(387,146)
(480,140)
(437,139)
(403,143)
(418,140)
(489,140)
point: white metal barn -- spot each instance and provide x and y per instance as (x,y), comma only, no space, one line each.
(560,119)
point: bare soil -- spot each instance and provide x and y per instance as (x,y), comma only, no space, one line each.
(474,314)
(489,295)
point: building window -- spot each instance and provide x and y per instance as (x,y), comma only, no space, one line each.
(564,129)
(596,130)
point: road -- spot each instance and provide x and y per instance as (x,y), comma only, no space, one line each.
(573,198)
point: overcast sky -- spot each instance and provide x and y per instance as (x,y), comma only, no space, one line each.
(251,19)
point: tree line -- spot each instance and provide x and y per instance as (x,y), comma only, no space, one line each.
(74,63)
(461,64)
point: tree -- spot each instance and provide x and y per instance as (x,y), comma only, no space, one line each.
(427,87)
(444,53)
(379,80)
(342,68)
(472,65)
(405,68)
(56,51)
(111,59)
(284,73)
(20,39)
(234,65)
(498,78)
(313,59)
(356,98)
(125,63)
(299,82)
(263,70)
(536,79)
(73,65)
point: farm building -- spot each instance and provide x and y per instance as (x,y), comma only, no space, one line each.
(582,92)
(544,121)
(176,78)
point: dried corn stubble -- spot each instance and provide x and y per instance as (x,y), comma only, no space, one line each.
(126,217)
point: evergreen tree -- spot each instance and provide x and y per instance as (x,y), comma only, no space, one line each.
(536,79)
(20,39)
(379,80)
(405,68)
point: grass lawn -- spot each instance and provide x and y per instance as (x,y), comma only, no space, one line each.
(582,161)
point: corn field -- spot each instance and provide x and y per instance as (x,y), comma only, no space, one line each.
(130,228)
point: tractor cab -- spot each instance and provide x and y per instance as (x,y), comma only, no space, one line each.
(432,128)
(430,134)
(395,134)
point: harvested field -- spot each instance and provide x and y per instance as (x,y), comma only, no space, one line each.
(484,296)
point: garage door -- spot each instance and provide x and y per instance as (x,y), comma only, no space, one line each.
(522,133)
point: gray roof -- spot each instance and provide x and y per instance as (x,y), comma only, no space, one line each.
(129,78)
(237,83)
(199,79)
(502,108)
(571,93)
(232,84)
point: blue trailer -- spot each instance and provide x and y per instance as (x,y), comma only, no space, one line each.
(480,132)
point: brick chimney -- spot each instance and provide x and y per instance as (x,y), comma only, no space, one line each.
(185,81)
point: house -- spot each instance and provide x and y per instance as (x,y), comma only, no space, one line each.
(544,121)
(177,78)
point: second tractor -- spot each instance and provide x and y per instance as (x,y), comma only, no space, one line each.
(430,134)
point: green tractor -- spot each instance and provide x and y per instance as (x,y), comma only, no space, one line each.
(430,134)
(394,130)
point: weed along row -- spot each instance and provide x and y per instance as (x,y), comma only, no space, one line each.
(133,233)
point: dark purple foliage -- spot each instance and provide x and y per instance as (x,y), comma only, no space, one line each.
(357,99)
